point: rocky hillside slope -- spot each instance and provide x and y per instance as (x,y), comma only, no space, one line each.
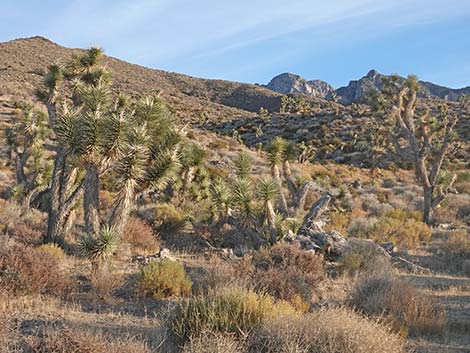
(23,61)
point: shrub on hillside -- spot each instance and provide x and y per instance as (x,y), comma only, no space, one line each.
(457,244)
(140,236)
(364,257)
(168,219)
(398,226)
(26,270)
(163,279)
(287,272)
(54,250)
(232,310)
(410,310)
(325,331)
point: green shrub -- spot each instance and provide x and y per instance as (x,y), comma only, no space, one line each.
(163,279)
(398,226)
(233,310)
(168,219)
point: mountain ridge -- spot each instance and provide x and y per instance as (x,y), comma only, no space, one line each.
(357,90)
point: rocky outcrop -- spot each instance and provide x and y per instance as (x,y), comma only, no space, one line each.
(288,83)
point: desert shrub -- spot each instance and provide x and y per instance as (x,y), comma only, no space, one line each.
(140,236)
(457,244)
(287,272)
(163,279)
(398,226)
(209,342)
(54,250)
(232,310)
(463,213)
(105,282)
(69,339)
(371,204)
(168,219)
(409,310)
(26,270)
(364,257)
(325,331)
(339,222)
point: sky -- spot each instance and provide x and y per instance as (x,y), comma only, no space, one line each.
(254,40)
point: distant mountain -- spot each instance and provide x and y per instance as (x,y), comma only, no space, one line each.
(356,91)
(288,83)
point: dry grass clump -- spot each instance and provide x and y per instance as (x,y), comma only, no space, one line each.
(398,226)
(105,282)
(163,279)
(287,272)
(140,236)
(210,342)
(234,311)
(409,310)
(74,340)
(26,270)
(457,244)
(325,331)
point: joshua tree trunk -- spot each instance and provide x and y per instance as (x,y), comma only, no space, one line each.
(91,200)
(271,218)
(122,208)
(282,198)
(290,184)
(427,207)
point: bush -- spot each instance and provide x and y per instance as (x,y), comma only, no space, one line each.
(140,236)
(457,244)
(54,250)
(163,279)
(325,331)
(105,282)
(168,219)
(398,226)
(409,310)
(233,310)
(288,272)
(26,270)
(68,339)
(364,257)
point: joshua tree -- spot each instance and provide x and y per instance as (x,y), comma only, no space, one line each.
(99,248)
(268,191)
(25,141)
(426,138)
(276,157)
(192,160)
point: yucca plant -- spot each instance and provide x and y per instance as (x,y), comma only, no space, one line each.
(101,247)
(243,165)
(193,157)
(243,201)
(221,201)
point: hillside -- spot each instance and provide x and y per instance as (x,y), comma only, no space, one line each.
(23,60)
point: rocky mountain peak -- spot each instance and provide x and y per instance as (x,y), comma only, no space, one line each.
(288,83)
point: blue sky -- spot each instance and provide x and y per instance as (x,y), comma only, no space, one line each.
(252,41)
